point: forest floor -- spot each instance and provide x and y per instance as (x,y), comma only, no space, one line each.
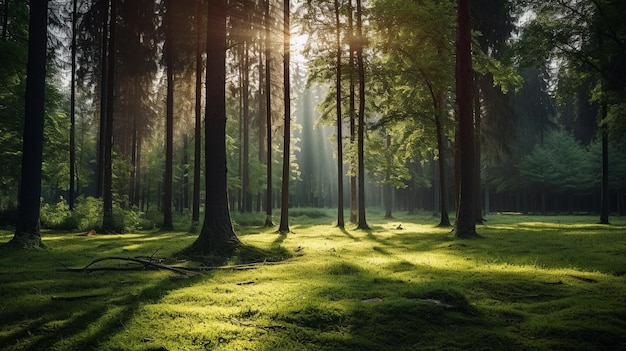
(529,283)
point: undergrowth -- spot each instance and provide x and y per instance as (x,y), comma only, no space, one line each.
(530,283)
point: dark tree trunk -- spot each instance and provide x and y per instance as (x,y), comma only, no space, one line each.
(441,148)
(477,124)
(72,194)
(103,99)
(352,113)
(604,207)
(387,189)
(217,234)
(27,230)
(283,228)
(185,190)
(108,223)
(245,99)
(169,118)
(361,220)
(340,219)
(465,225)
(195,211)
(268,119)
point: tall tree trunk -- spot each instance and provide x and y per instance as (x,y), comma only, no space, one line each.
(604,207)
(72,194)
(268,118)
(245,99)
(108,223)
(169,118)
(340,219)
(27,230)
(387,187)
(195,208)
(185,197)
(465,225)
(440,103)
(477,153)
(361,220)
(283,228)
(260,117)
(352,114)
(217,234)
(103,99)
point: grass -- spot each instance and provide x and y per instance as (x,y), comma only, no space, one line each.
(529,283)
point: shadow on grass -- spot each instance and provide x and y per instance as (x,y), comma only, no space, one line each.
(82,311)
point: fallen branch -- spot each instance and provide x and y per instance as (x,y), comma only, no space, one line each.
(182,270)
(73,298)
(144,263)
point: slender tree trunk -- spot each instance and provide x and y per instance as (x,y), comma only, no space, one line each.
(465,225)
(108,223)
(185,199)
(27,230)
(387,187)
(103,99)
(352,113)
(217,234)
(441,149)
(604,208)
(261,116)
(245,98)
(72,194)
(340,219)
(283,228)
(268,118)
(477,153)
(362,222)
(195,211)
(169,119)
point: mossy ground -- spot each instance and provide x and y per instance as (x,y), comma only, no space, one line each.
(529,283)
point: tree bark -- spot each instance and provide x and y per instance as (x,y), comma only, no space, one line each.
(361,220)
(217,234)
(195,208)
(283,228)
(340,219)
(27,230)
(245,98)
(169,118)
(444,220)
(604,207)
(72,190)
(465,225)
(268,118)
(108,223)
(352,113)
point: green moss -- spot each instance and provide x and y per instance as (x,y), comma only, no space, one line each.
(530,283)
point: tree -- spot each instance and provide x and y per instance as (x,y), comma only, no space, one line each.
(217,234)
(108,222)
(195,208)
(169,117)
(72,194)
(283,227)
(361,220)
(27,229)
(465,225)
(340,219)
(589,37)
(268,119)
